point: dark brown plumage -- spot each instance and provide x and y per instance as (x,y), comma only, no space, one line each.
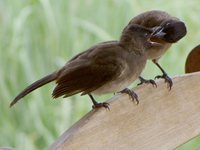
(166,30)
(104,68)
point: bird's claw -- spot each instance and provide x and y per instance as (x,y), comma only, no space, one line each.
(148,82)
(131,94)
(99,105)
(167,79)
(152,82)
(158,77)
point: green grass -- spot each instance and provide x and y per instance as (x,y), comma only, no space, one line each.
(39,36)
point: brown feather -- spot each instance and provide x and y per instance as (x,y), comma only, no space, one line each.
(33,86)
(86,78)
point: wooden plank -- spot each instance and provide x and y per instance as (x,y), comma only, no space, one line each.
(163,120)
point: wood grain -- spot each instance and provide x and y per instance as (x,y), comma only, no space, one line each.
(163,120)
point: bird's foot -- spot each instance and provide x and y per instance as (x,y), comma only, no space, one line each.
(99,105)
(167,79)
(142,81)
(131,94)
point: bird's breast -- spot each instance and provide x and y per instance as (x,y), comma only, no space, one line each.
(130,73)
(157,52)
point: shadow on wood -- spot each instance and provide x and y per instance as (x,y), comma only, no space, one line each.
(163,120)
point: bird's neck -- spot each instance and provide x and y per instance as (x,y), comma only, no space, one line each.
(130,44)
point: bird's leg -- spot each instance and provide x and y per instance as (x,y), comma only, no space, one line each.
(131,93)
(142,80)
(98,105)
(164,76)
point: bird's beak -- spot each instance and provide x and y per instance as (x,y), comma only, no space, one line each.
(158,36)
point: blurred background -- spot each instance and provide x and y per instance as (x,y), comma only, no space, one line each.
(39,36)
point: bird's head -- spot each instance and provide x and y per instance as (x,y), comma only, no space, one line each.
(169,31)
(137,36)
(136,31)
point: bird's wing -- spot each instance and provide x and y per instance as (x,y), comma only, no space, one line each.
(86,75)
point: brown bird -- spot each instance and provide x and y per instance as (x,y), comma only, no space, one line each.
(166,31)
(104,68)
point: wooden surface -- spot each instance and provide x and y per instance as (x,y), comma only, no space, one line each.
(162,121)
(192,63)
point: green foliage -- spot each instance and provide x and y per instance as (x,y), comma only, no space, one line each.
(39,36)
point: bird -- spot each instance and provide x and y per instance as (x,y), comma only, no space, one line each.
(107,67)
(166,31)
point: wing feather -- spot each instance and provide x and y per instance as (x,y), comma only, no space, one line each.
(87,77)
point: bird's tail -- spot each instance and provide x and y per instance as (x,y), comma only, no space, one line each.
(33,86)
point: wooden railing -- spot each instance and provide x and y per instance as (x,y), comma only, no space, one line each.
(163,120)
